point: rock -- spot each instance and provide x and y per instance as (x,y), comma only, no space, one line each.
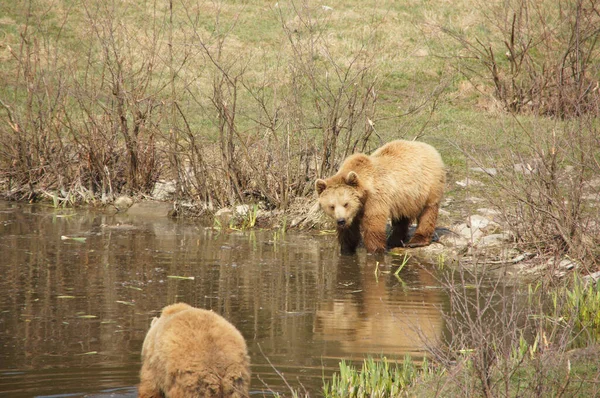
(487,170)
(562,267)
(296,221)
(465,231)
(494,239)
(524,168)
(164,190)
(122,203)
(150,209)
(488,212)
(224,215)
(454,240)
(469,182)
(479,222)
(475,228)
(242,210)
(447,201)
(227,214)
(567,264)
(473,199)
(521,257)
(591,278)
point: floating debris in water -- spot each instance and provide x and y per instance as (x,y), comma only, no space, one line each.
(87,316)
(80,240)
(125,302)
(191,278)
(65,297)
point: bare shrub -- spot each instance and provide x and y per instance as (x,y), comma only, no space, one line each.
(543,56)
(277,130)
(485,322)
(506,340)
(101,104)
(88,123)
(547,188)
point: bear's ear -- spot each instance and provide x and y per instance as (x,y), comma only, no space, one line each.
(352,179)
(320,185)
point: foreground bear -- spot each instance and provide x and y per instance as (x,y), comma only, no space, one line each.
(402,181)
(190,352)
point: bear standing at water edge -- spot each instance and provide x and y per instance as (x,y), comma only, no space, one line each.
(191,352)
(402,181)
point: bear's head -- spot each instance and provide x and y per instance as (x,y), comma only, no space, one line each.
(341,198)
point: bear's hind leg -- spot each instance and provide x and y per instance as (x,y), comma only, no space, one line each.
(148,388)
(349,238)
(399,233)
(425,227)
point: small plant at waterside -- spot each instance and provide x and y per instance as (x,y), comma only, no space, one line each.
(581,307)
(249,219)
(380,378)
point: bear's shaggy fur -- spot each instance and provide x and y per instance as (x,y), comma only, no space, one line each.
(191,352)
(402,181)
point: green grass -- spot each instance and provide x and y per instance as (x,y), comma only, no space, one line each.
(581,306)
(376,378)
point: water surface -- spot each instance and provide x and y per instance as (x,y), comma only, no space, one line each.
(74,312)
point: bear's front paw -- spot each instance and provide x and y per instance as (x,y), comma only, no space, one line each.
(418,241)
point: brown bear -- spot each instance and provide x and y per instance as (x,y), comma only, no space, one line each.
(402,181)
(191,352)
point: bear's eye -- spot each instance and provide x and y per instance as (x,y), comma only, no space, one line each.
(346,205)
(331,207)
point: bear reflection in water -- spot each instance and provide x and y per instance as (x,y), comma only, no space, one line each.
(191,352)
(371,315)
(402,181)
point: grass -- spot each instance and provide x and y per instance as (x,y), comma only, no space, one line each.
(581,306)
(376,378)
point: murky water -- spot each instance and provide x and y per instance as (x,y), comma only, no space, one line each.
(74,312)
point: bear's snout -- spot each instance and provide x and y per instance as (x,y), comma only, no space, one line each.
(341,222)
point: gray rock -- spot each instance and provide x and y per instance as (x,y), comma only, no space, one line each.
(567,264)
(591,278)
(524,168)
(487,170)
(122,203)
(488,212)
(242,210)
(164,190)
(473,199)
(224,215)
(475,228)
(494,239)
(469,182)
(454,240)
(476,221)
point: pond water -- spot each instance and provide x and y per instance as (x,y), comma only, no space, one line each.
(74,312)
